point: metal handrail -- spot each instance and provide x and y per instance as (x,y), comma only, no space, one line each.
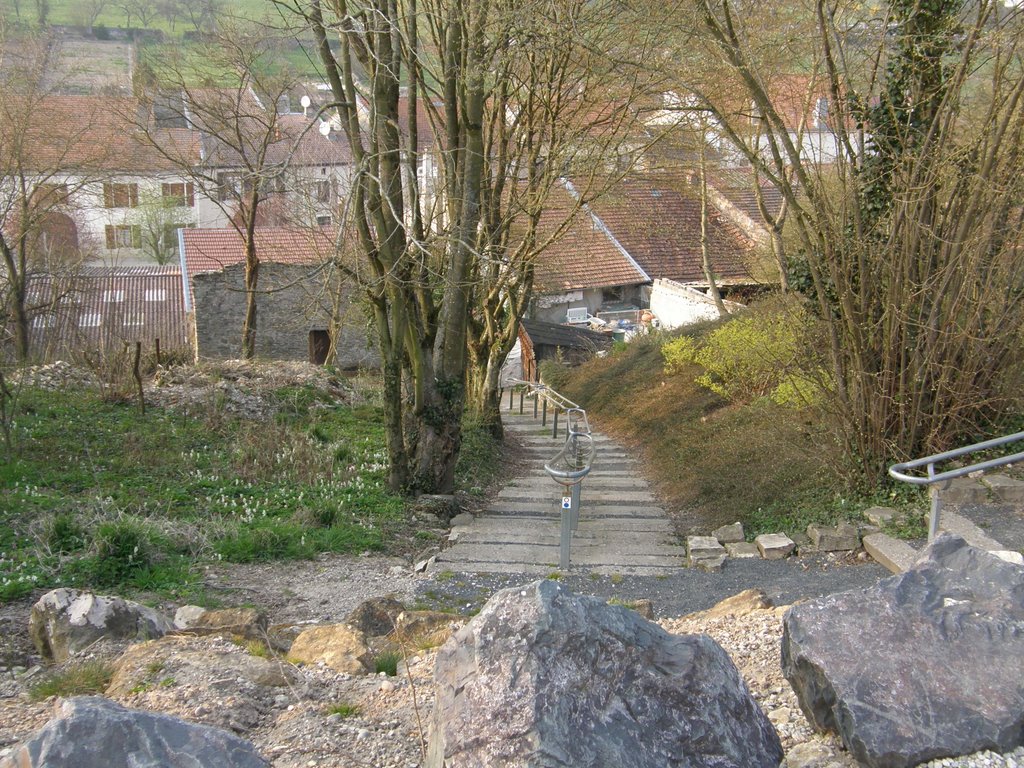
(899,471)
(543,390)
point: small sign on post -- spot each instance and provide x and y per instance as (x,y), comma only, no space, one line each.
(567,502)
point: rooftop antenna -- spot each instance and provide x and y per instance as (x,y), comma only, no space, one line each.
(305,101)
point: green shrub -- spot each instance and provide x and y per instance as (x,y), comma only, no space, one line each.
(757,354)
(387,663)
(65,534)
(123,547)
(344,709)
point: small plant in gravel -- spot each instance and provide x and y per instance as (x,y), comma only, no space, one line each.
(258,648)
(74,680)
(344,710)
(387,663)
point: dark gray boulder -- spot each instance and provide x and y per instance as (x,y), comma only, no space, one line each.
(66,621)
(93,732)
(548,679)
(923,665)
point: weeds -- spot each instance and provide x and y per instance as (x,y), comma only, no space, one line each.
(344,710)
(74,680)
(387,663)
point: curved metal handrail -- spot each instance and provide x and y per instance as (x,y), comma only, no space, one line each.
(574,461)
(543,390)
(900,471)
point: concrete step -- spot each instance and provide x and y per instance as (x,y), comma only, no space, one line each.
(894,554)
(618,496)
(553,506)
(954,522)
(496,526)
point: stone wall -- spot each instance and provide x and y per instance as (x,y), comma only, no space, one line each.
(294,300)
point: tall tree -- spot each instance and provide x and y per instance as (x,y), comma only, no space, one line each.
(228,93)
(910,236)
(46,162)
(496,82)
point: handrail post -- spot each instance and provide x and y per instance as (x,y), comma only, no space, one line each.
(522,394)
(933,520)
(544,417)
(511,394)
(554,429)
(536,397)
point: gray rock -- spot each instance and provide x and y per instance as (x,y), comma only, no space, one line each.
(93,732)
(709,564)
(839,538)
(729,534)
(542,677)
(774,546)
(187,615)
(743,549)
(463,519)
(66,621)
(923,665)
(703,547)
(376,617)
(250,623)
(880,516)
(962,490)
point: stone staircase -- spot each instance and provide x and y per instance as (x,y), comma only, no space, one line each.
(965,500)
(622,529)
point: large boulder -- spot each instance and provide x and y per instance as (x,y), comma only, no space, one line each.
(338,646)
(923,665)
(93,732)
(543,677)
(66,621)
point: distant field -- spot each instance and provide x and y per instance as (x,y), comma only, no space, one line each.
(73,12)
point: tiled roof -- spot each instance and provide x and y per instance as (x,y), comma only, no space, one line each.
(583,257)
(100,133)
(567,336)
(210,250)
(106,308)
(737,186)
(656,218)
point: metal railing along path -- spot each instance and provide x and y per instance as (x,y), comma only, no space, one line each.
(933,478)
(572,463)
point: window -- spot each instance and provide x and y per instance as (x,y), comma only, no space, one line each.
(134,319)
(323,191)
(120,195)
(156,294)
(113,297)
(123,236)
(821,112)
(227,186)
(91,320)
(180,192)
(323,221)
(51,195)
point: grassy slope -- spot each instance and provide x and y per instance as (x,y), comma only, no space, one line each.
(92,481)
(713,462)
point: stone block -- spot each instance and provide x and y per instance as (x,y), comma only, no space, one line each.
(1005,490)
(962,490)
(703,547)
(837,538)
(742,549)
(729,534)
(774,546)
(710,564)
(881,516)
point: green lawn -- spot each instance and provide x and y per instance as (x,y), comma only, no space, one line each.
(98,495)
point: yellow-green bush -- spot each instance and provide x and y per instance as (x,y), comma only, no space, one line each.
(757,354)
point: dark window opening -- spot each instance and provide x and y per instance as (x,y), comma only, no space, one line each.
(319,347)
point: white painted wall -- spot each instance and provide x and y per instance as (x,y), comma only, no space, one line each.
(676,305)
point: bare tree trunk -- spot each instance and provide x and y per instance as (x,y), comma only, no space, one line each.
(705,252)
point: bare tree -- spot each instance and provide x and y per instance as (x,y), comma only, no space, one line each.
(228,93)
(45,163)
(910,233)
(449,247)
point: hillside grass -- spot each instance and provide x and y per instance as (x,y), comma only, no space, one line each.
(712,461)
(99,496)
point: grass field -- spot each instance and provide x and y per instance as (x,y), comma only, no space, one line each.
(98,495)
(73,12)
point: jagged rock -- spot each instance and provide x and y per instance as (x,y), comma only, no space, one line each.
(740,604)
(376,617)
(66,621)
(188,660)
(93,732)
(419,627)
(243,622)
(340,647)
(545,677)
(742,549)
(923,665)
(187,615)
(839,538)
(729,534)
(774,546)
